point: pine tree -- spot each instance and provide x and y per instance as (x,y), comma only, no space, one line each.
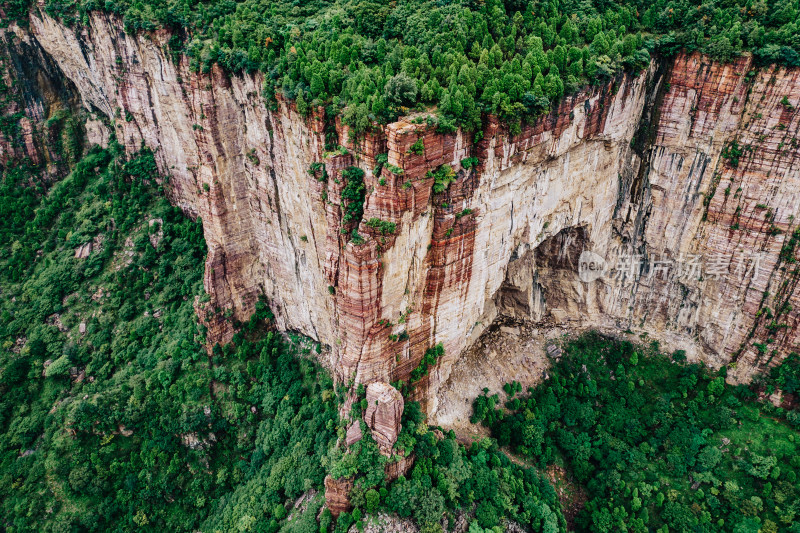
(317,85)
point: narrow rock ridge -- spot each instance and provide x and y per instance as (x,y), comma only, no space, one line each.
(637,165)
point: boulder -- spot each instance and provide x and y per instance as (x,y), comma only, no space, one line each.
(383,415)
(83,251)
(353,433)
(337,494)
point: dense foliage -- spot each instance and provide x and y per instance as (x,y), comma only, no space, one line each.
(376,59)
(112,415)
(446,480)
(658,444)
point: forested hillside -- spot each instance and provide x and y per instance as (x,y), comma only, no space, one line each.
(113,416)
(658,444)
(374,60)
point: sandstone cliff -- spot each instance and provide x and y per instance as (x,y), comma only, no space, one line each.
(690,158)
(35,104)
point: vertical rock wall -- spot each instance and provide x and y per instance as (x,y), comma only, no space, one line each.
(634,166)
(231,161)
(740,211)
(34,99)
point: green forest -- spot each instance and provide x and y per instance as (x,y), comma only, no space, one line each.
(655,443)
(373,60)
(115,418)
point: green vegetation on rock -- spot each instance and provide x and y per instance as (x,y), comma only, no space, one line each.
(373,60)
(446,481)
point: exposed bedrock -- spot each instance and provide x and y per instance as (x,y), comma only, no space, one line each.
(642,166)
(35,98)
(383,414)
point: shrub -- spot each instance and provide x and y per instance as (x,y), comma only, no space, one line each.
(384,227)
(418,147)
(442,178)
(429,359)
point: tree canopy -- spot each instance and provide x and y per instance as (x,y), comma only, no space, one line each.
(462,57)
(657,444)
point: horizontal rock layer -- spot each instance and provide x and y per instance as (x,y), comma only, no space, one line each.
(645,168)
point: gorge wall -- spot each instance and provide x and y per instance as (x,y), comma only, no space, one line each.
(35,98)
(691,162)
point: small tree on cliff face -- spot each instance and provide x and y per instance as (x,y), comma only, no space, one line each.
(357,118)
(353,194)
(428,360)
(442,178)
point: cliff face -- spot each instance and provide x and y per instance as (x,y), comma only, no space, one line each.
(35,98)
(231,161)
(722,182)
(646,168)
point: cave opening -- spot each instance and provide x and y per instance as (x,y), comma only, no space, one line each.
(542,283)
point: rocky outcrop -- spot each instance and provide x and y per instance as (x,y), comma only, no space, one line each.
(386,523)
(688,162)
(337,495)
(383,414)
(353,433)
(400,467)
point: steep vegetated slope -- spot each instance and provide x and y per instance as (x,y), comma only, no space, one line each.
(114,415)
(656,442)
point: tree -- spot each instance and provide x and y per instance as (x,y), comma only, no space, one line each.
(302,106)
(400,90)
(317,86)
(554,87)
(373,499)
(717,386)
(486,514)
